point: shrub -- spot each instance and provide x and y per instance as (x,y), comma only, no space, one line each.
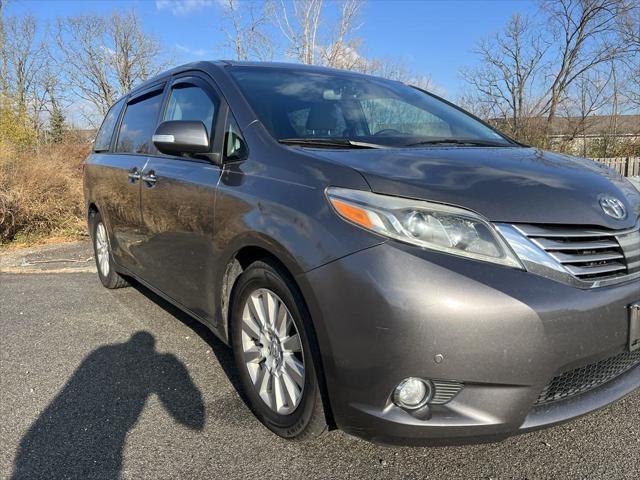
(41,191)
(16,130)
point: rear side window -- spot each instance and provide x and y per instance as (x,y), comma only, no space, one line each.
(189,102)
(139,123)
(105,134)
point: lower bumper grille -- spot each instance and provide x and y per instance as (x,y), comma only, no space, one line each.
(583,379)
(444,391)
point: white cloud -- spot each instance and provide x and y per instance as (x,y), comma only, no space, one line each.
(183,7)
(196,52)
(107,51)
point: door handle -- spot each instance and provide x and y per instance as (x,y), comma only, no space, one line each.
(134,175)
(150,178)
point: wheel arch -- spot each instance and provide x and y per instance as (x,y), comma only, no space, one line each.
(241,258)
(92,209)
(242,254)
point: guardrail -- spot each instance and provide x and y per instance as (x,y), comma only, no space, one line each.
(627,166)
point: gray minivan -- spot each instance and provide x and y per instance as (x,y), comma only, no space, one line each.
(379,260)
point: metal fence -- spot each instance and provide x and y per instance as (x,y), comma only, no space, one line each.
(627,166)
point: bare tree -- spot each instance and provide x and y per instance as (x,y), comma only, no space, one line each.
(398,70)
(591,95)
(629,35)
(103,58)
(245,29)
(583,30)
(86,60)
(25,58)
(532,73)
(4,61)
(506,79)
(311,40)
(299,22)
(136,54)
(342,51)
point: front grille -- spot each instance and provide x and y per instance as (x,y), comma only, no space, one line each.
(589,254)
(583,379)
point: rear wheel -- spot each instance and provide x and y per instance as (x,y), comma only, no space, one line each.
(102,253)
(270,336)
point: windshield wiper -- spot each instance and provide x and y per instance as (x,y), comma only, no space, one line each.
(458,141)
(329,142)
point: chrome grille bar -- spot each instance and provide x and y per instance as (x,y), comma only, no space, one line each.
(586,258)
(590,245)
(562,232)
(596,270)
(586,253)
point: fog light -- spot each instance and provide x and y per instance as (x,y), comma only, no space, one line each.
(412,393)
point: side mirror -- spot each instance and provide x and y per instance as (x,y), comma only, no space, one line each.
(175,137)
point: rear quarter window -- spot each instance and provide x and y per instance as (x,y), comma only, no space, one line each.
(105,134)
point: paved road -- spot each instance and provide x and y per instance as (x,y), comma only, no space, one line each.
(107,384)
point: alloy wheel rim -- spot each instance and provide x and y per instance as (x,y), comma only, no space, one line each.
(102,249)
(272,351)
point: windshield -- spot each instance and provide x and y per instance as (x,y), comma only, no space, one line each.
(296,105)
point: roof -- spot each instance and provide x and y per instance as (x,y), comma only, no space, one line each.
(287,65)
(208,64)
(167,73)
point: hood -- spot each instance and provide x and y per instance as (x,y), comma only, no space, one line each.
(514,185)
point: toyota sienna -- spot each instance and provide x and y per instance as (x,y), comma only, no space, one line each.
(379,260)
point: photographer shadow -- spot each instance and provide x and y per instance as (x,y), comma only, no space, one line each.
(82,432)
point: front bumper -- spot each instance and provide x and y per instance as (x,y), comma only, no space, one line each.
(384,313)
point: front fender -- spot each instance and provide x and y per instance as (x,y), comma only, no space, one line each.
(270,208)
(267,206)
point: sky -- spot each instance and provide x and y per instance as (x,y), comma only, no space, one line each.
(432,37)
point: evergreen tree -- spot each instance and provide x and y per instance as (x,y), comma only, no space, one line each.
(56,124)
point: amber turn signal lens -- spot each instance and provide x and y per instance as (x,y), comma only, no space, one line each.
(352,213)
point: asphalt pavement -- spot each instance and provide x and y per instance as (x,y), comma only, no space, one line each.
(99,384)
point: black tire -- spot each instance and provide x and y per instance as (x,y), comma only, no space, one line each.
(307,421)
(112,279)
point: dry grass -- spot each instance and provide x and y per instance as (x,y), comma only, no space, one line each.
(41,193)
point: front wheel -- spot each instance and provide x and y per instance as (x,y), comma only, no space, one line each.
(270,336)
(102,253)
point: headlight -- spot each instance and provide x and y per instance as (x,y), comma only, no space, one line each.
(425,224)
